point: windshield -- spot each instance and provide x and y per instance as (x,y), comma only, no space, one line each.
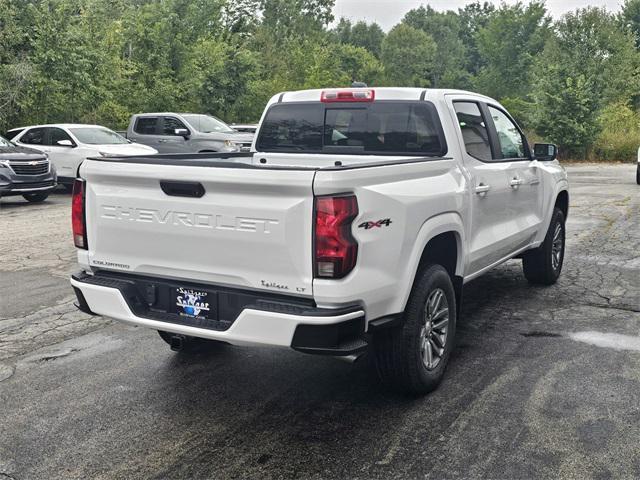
(207,124)
(98,136)
(5,143)
(377,128)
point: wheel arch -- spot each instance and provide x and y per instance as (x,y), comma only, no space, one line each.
(441,241)
(562,202)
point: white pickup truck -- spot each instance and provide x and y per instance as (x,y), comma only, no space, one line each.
(352,225)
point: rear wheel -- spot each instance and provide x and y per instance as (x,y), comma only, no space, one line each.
(184,343)
(36,197)
(543,265)
(638,174)
(413,358)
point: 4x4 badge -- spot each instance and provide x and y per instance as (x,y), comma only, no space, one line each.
(380,223)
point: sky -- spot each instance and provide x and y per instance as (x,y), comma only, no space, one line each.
(389,12)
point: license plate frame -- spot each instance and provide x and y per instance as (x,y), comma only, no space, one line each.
(194,303)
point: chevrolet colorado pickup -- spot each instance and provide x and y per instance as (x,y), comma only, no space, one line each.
(352,225)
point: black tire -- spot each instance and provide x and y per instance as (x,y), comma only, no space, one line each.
(638,174)
(539,265)
(190,344)
(36,197)
(400,353)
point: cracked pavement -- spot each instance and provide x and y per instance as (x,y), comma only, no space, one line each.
(544,381)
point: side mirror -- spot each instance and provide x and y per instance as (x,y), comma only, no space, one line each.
(545,152)
(181,132)
(65,143)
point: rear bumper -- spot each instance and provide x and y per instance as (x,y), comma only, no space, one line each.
(308,329)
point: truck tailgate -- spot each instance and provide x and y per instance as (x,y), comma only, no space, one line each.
(251,228)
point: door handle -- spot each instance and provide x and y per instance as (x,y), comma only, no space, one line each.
(163,140)
(515,182)
(482,189)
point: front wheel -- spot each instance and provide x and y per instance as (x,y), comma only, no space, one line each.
(413,358)
(36,197)
(543,265)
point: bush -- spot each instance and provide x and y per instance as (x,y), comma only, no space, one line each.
(619,136)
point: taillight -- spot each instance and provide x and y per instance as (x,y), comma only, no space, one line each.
(328,96)
(78,214)
(335,248)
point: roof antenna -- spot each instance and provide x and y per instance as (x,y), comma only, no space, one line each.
(355,84)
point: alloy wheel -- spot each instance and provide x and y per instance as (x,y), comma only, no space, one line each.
(433,336)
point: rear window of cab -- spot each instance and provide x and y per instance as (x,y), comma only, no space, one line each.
(372,128)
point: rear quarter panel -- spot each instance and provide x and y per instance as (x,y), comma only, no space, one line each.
(421,200)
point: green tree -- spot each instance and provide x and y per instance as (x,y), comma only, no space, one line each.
(214,76)
(362,34)
(341,33)
(473,17)
(450,57)
(509,43)
(367,36)
(588,64)
(631,17)
(619,126)
(287,19)
(408,56)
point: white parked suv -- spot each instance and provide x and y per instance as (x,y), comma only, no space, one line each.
(68,145)
(353,225)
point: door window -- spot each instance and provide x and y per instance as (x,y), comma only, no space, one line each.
(474,130)
(34,136)
(170,125)
(146,125)
(13,133)
(57,134)
(510,139)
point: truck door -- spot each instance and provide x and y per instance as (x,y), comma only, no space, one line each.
(525,196)
(66,156)
(146,130)
(494,214)
(169,141)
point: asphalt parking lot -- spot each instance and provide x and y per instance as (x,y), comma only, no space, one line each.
(544,382)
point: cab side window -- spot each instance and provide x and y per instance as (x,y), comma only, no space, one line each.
(511,141)
(474,130)
(170,125)
(145,125)
(34,136)
(57,134)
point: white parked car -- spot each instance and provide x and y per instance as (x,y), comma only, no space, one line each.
(68,145)
(353,224)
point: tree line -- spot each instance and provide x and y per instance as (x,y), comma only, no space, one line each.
(574,81)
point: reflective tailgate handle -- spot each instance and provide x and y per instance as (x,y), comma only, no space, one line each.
(182,189)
